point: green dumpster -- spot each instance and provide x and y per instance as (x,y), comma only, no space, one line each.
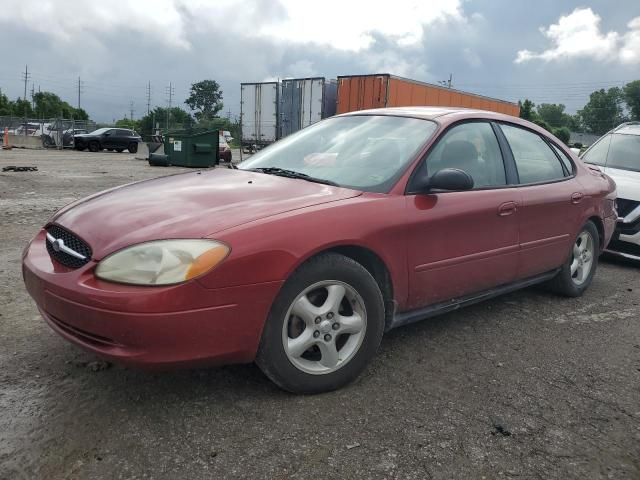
(186,148)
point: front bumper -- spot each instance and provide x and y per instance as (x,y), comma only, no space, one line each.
(626,239)
(179,325)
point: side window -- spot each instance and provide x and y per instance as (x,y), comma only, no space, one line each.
(471,147)
(624,152)
(534,159)
(597,154)
(568,164)
(123,133)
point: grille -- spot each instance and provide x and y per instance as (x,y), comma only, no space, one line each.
(625,206)
(71,241)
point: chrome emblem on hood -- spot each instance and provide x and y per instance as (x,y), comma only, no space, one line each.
(58,246)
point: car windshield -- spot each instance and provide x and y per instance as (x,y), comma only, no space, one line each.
(624,152)
(365,152)
(100,131)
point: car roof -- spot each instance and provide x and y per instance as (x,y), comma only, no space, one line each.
(629,128)
(431,113)
(447,115)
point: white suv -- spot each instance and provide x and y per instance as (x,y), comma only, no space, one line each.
(618,154)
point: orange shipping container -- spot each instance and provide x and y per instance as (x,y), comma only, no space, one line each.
(360,92)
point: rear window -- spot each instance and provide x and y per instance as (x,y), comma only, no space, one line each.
(624,152)
(534,159)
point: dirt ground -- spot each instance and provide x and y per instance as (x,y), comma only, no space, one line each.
(528,385)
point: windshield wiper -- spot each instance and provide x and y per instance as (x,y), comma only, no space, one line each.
(282,172)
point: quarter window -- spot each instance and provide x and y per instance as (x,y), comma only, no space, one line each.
(471,147)
(597,154)
(565,159)
(534,159)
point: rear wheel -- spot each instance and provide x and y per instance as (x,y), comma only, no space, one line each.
(324,326)
(133,147)
(578,271)
(94,146)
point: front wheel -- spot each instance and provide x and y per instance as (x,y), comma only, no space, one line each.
(576,274)
(133,147)
(324,326)
(94,147)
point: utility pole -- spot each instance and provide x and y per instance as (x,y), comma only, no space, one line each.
(149,97)
(131,110)
(79,91)
(170,91)
(26,75)
(447,83)
(33,92)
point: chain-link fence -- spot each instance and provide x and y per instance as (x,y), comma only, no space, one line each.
(48,133)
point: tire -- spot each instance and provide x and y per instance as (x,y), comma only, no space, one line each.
(119,150)
(80,146)
(94,146)
(573,280)
(133,147)
(354,332)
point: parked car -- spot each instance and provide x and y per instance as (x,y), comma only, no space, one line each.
(618,154)
(224,149)
(118,139)
(301,258)
(227,136)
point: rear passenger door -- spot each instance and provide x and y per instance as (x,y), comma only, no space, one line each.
(551,197)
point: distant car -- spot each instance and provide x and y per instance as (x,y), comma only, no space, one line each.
(303,256)
(618,153)
(224,149)
(227,136)
(118,139)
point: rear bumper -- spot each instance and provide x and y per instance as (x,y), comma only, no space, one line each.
(182,325)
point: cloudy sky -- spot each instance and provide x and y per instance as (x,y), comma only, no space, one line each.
(549,51)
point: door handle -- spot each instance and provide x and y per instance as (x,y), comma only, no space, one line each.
(576,197)
(507,208)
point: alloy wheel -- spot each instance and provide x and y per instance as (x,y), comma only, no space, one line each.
(583,254)
(324,327)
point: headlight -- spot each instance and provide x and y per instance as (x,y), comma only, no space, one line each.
(162,262)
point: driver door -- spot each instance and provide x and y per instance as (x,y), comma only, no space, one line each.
(463,242)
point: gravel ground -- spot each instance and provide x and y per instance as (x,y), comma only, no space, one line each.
(528,385)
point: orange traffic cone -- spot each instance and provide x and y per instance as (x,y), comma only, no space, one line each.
(5,141)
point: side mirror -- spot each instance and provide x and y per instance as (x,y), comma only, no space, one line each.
(451,179)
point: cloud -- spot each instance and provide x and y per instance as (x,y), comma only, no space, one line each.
(350,25)
(630,51)
(578,35)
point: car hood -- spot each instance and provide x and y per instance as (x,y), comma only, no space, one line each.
(190,205)
(627,182)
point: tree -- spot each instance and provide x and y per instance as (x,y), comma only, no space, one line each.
(603,111)
(178,118)
(127,123)
(542,123)
(22,107)
(6,106)
(205,98)
(553,114)
(527,109)
(631,93)
(563,134)
(50,105)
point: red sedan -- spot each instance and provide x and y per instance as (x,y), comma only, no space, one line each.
(303,257)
